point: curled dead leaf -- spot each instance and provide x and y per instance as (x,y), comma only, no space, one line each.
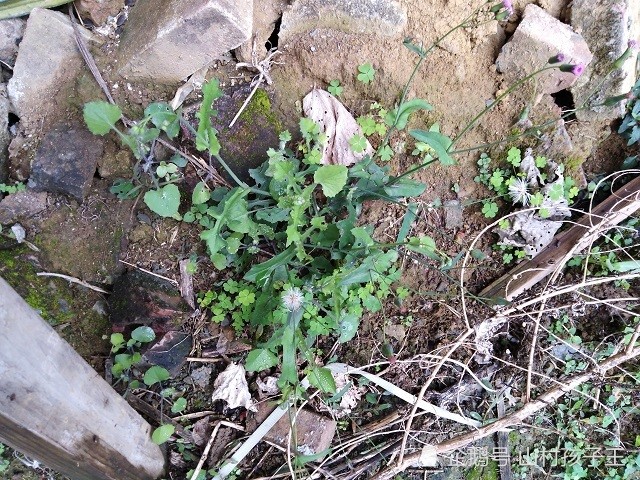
(338,125)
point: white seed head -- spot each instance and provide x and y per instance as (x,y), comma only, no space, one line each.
(519,191)
(292,299)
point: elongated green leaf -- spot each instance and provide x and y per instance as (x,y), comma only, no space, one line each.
(162,433)
(260,273)
(155,375)
(260,359)
(626,266)
(101,117)
(409,217)
(206,138)
(321,377)
(332,178)
(439,142)
(399,116)
(405,187)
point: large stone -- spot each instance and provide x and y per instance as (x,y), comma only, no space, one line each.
(11,31)
(314,432)
(607,26)
(98,11)
(381,17)
(5,139)
(266,14)
(21,205)
(166,41)
(245,145)
(139,298)
(66,161)
(48,64)
(538,38)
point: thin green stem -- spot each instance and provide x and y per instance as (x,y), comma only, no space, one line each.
(239,182)
(475,119)
(423,56)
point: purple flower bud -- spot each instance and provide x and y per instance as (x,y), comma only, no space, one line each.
(508,6)
(559,58)
(576,69)
(633,45)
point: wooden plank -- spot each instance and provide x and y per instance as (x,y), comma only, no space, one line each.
(617,207)
(55,408)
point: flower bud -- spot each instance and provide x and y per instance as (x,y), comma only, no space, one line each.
(611,101)
(576,69)
(631,49)
(559,58)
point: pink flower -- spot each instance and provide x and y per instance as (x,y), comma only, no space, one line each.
(577,69)
(508,6)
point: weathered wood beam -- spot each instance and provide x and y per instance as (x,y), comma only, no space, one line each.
(55,408)
(617,207)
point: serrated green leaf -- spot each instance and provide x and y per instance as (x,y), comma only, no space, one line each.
(143,334)
(260,359)
(156,374)
(165,201)
(321,378)
(206,138)
(164,118)
(332,179)
(163,433)
(439,142)
(101,116)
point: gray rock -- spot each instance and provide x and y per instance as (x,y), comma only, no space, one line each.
(5,138)
(98,11)
(66,161)
(141,298)
(538,38)
(11,31)
(453,214)
(170,352)
(265,15)
(607,26)
(166,41)
(244,146)
(556,144)
(22,205)
(48,62)
(314,432)
(380,17)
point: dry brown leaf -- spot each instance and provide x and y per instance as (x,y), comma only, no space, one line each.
(337,124)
